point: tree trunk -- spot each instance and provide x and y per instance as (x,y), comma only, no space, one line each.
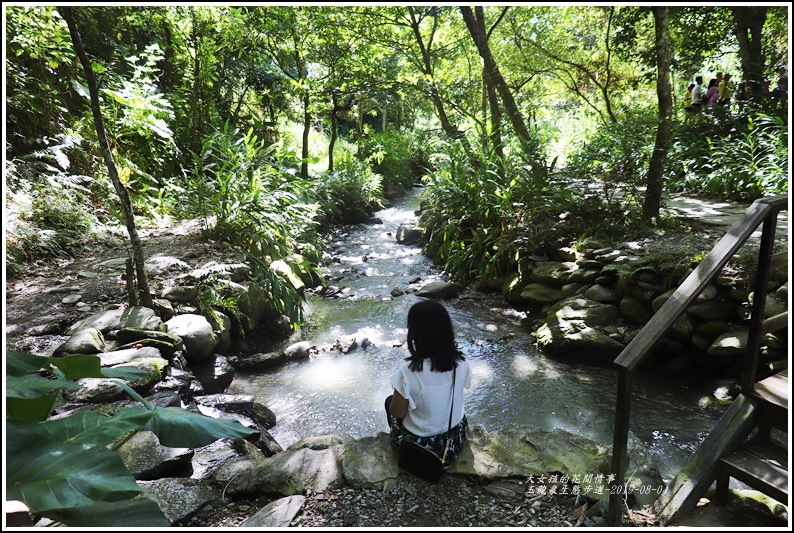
(477,30)
(653,194)
(144,296)
(307,124)
(748,25)
(195,128)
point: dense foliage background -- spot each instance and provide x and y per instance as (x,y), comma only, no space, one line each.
(272,123)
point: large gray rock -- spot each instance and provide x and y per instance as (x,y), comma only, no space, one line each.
(408,234)
(730,345)
(85,341)
(181,293)
(369,462)
(600,293)
(262,360)
(182,498)
(254,303)
(197,335)
(570,330)
(146,458)
(129,317)
(512,287)
(635,310)
(542,293)
(526,450)
(279,513)
(289,472)
(298,350)
(215,373)
(440,289)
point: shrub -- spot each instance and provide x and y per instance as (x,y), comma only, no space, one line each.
(612,163)
(740,158)
(395,156)
(351,193)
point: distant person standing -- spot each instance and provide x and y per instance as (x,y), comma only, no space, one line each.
(726,89)
(688,102)
(781,90)
(697,95)
(712,94)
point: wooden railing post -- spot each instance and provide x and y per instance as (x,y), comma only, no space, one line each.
(620,448)
(759,302)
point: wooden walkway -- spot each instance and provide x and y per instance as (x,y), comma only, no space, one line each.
(760,462)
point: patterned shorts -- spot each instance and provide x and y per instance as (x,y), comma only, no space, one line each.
(435,443)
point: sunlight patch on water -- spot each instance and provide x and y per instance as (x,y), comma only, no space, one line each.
(523,366)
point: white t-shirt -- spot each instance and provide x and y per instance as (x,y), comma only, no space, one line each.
(697,95)
(428,394)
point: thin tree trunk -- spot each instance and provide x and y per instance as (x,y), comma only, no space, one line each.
(427,69)
(307,124)
(653,194)
(144,296)
(332,142)
(496,119)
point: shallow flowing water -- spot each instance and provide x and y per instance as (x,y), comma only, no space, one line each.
(513,384)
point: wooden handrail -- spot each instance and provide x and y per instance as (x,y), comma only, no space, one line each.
(762,211)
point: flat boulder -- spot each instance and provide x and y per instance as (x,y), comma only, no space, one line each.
(440,289)
(122,317)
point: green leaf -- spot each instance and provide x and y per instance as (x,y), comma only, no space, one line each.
(78,366)
(32,386)
(20,363)
(81,89)
(137,512)
(177,428)
(128,373)
(34,410)
(53,475)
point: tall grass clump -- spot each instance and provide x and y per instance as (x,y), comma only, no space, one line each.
(246,195)
(483,214)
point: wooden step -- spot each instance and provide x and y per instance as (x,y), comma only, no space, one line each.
(773,393)
(759,463)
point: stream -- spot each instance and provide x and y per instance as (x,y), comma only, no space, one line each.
(513,384)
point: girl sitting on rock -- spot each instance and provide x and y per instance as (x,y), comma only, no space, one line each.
(424,396)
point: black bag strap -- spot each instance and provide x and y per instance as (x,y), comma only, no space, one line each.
(449,427)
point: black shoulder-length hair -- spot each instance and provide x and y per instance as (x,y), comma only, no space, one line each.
(431,336)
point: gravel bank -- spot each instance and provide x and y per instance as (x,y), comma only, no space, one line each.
(455,501)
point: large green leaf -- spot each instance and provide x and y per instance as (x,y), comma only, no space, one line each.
(138,512)
(56,475)
(34,410)
(177,428)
